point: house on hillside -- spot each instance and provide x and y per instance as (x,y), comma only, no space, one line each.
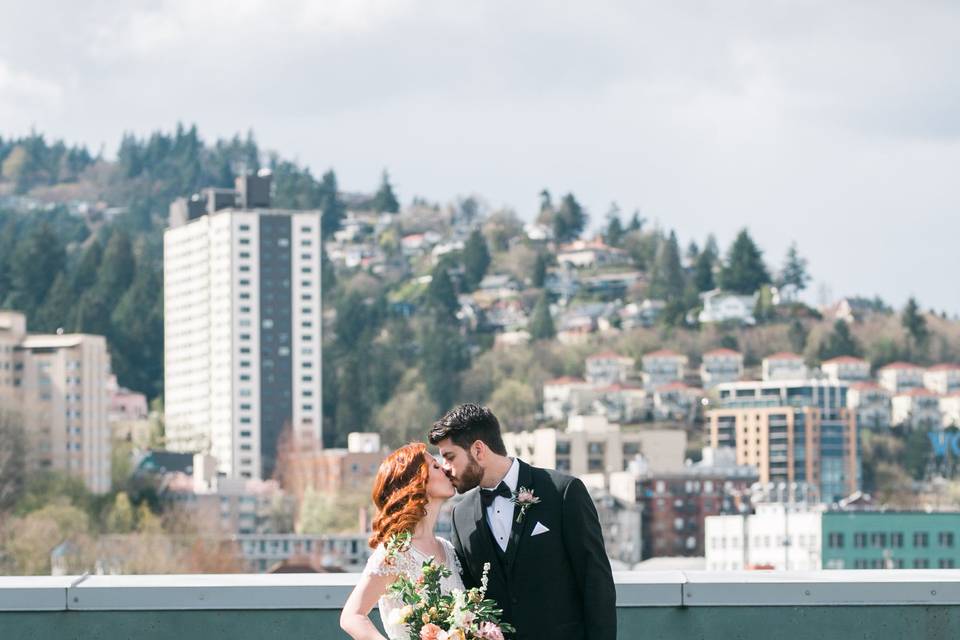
(590,253)
(942,378)
(846,368)
(720,365)
(784,366)
(663,367)
(608,367)
(916,408)
(900,376)
(723,306)
(871,402)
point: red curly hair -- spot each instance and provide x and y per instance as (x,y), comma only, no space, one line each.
(400,492)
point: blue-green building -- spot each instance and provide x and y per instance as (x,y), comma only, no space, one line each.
(890,540)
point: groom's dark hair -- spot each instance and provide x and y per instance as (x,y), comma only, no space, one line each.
(466,424)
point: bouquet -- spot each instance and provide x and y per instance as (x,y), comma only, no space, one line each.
(430,615)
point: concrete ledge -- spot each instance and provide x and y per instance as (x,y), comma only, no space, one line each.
(635,590)
(35,593)
(821,588)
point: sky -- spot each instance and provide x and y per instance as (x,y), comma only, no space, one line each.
(835,125)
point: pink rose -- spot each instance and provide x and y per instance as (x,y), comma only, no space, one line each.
(431,631)
(489,631)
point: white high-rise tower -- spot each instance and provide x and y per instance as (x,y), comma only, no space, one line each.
(242,324)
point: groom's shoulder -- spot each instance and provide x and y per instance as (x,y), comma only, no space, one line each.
(558,479)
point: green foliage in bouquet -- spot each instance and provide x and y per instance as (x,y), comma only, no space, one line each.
(431,615)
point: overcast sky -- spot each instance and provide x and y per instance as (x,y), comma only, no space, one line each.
(832,124)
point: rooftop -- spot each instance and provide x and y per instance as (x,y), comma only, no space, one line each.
(677,604)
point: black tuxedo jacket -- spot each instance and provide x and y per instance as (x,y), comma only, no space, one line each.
(557,584)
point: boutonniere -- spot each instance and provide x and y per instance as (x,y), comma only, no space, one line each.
(524,499)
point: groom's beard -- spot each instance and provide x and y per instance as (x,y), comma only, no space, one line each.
(470,477)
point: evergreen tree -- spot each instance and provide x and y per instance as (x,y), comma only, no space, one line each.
(569,220)
(916,325)
(385,200)
(441,297)
(541,322)
(117,268)
(840,342)
(636,222)
(331,205)
(744,271)
(444,356)
(666,277)
(137,333)
(85,274)
(615,231)
(476,260)
(539,271)
(34,266)
(794,271)
(55,311)
(546,213)
(703,272)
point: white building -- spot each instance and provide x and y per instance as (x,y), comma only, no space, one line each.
(942,378)
(846,368)
(871,403)
(916,409)
(242,325)
(59,385)
(950,409)
(784,366)
(721,365)
(608,367)
(676,401)
(593,446)
(663,367)
(722,306)
(566,396)
(779,536)
(900,376)
(590,253)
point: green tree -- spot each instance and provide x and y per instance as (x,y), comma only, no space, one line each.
(34,266)
(55,312)
(117,268)
(703,272)
(541,322)
(137,332)
(916,325)
(615,231)
(443,357)
(85,274)
(636,222)
(385,200)
(331,205)
(667,277)
(794,271)
(539,277)
(840,342)
(13,449)
(744,271)
(441,297)
(121,517)
(476,260)
(569,220)
(763,310)
(514,402)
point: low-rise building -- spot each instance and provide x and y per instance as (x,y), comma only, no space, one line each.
(900,376)
(608,367)
(592,445)
(916,408)
(778,536)
(621,523)
(847,368)
(871,403)
(566,396)
(590,253)
(676,401)
(663,367)
(723,306)
(950,409)
(942,378)
(784,366)
(720,365)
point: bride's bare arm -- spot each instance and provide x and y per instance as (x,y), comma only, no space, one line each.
(355,617)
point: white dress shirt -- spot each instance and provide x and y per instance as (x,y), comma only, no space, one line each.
(500,511)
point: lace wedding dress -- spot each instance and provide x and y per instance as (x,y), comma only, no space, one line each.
(409,563)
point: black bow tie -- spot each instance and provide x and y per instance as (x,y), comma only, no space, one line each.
(487,495)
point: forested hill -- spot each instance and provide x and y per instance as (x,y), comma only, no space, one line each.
(81,236)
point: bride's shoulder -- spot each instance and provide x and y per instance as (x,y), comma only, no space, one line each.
(384,563)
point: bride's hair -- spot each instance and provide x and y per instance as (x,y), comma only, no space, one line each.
(400,492)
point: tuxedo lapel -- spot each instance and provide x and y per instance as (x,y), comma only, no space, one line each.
(519,531)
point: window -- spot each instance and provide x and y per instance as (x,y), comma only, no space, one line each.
(306,270)
(244,240)
(306,243)
(859,540)
(946,563)
(835,540)
(244,282)
(921,539)
(878,540)
(945,538)
(896,540)
(245,268)
(244,309)
(244,336)
(244,254)
(306,256)
(244,227)
(308,407)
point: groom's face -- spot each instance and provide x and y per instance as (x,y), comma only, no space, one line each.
(460,466)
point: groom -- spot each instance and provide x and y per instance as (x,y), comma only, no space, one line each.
(549,569)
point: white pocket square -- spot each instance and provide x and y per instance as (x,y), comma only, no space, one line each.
(537,530)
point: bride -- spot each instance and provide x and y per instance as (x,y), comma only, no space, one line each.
(408,491)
